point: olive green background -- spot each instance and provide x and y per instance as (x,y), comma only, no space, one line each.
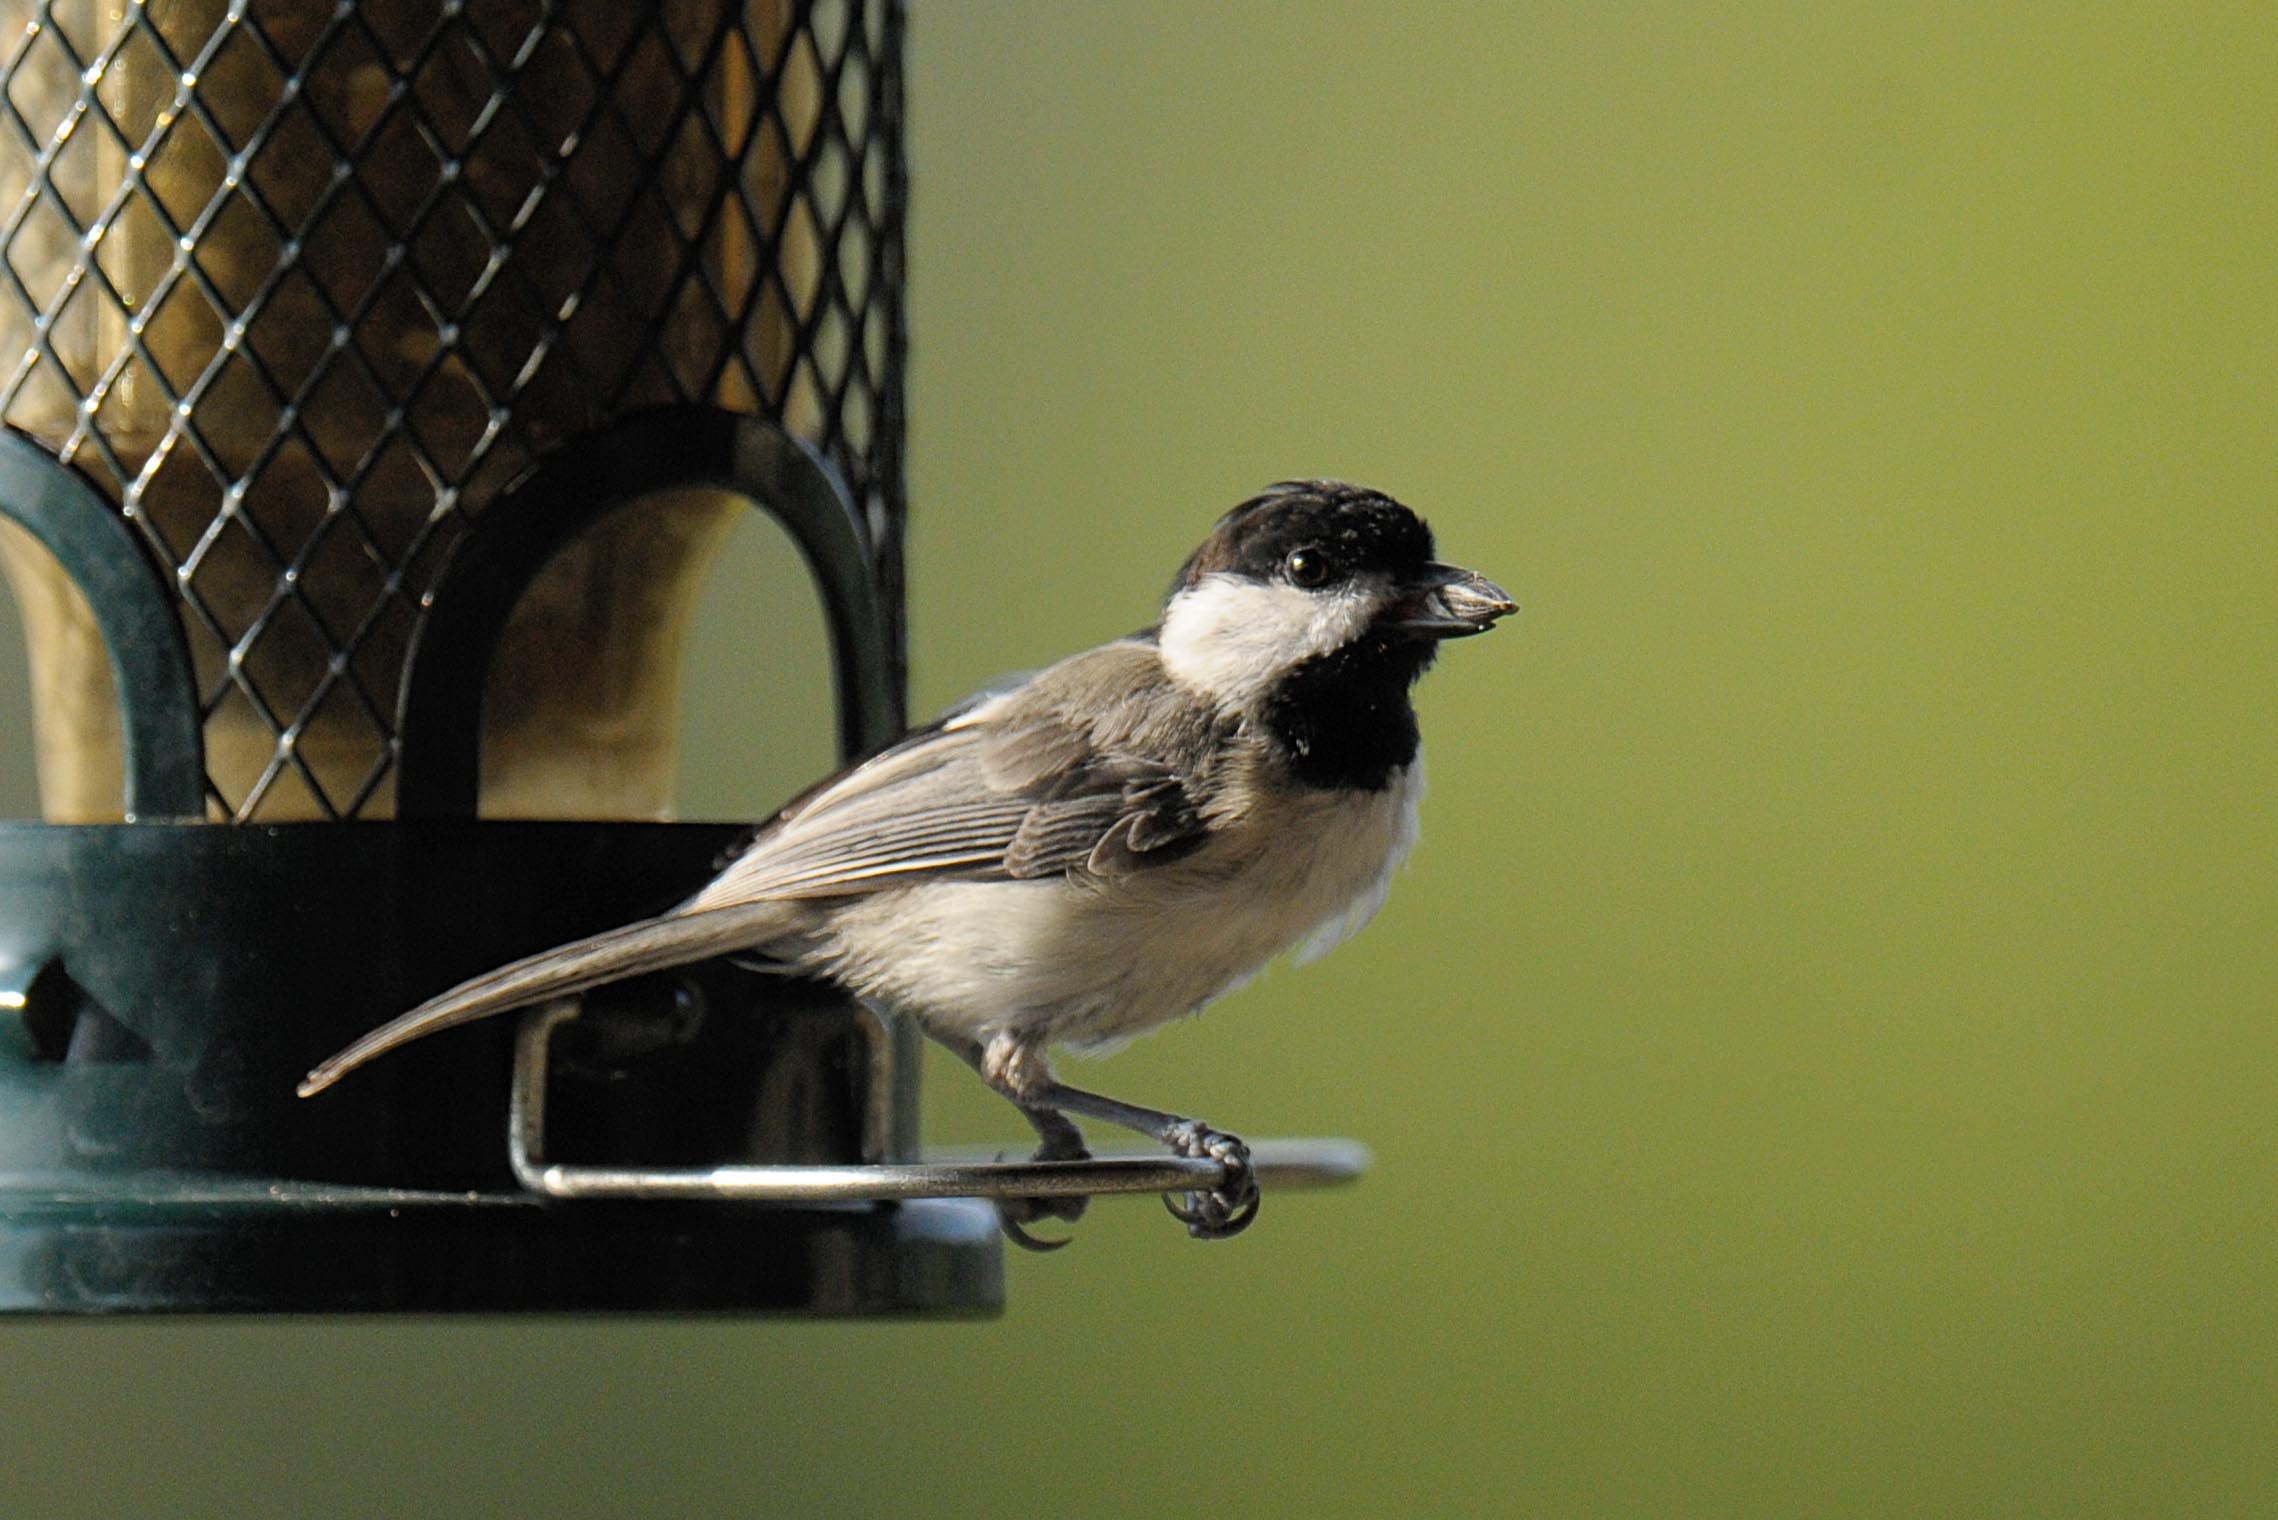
(1822,1059)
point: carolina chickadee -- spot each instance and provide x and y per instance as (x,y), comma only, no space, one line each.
(1106,845)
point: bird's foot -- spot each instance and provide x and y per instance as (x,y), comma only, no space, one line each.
(1226,1210)
(1015,1214)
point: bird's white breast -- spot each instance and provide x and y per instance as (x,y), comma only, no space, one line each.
(1090,963)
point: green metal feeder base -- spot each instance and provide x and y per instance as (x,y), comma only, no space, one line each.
(289,1248)
(170,983)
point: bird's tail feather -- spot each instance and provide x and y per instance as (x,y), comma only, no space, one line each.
(651,945)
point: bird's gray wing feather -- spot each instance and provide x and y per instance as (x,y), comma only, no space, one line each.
(1034,782)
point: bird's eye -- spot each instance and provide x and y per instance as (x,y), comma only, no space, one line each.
(1309,569)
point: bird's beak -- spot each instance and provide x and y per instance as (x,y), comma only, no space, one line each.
(1447,602)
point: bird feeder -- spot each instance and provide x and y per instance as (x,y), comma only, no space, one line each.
(381,380)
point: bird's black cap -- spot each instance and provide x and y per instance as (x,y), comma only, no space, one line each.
(1362,529)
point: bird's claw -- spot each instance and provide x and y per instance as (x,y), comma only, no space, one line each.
(1226,1210)
(1013,1214)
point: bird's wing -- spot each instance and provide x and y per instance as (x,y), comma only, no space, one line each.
(1086,767)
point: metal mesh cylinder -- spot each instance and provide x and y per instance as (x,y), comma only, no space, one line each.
(300,286)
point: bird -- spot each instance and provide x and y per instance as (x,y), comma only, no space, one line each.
(1087,852)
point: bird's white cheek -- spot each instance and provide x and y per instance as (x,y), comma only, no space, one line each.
(1230,638)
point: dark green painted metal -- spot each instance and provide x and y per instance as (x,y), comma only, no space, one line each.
(177,979)
(325,1253)
(512,540)
(134,609)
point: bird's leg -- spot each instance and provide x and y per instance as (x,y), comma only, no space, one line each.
(1018,1069)
(1223,1212)
(1059,1139)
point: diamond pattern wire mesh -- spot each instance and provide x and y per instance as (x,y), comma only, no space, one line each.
(301,285)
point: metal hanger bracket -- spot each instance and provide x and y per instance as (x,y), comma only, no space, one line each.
(1279,1163)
